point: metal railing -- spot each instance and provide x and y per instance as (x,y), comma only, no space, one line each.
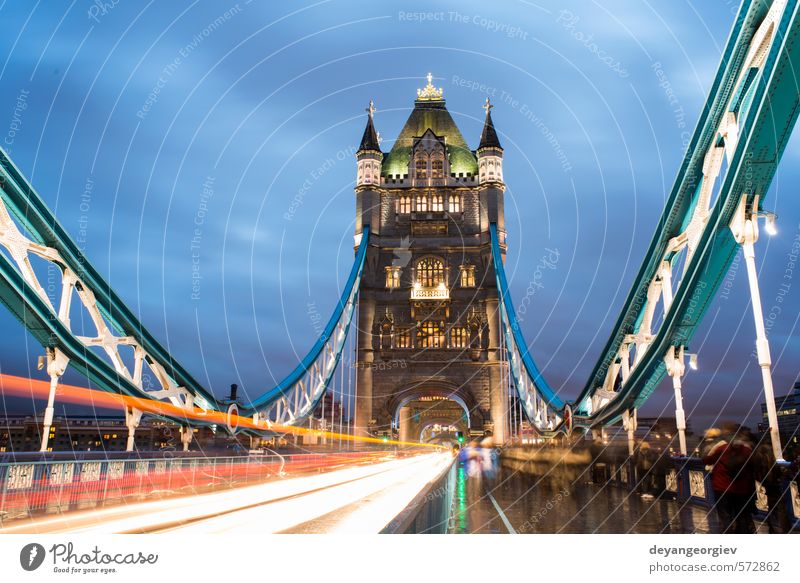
(35,488)
(688,480)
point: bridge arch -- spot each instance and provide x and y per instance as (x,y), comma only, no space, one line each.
(433,388)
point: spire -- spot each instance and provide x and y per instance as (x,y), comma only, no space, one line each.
(370,140)
(429,92)
(489,135)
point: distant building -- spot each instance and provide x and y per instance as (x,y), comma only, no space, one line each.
(660,432)
(22,433)
(788,408)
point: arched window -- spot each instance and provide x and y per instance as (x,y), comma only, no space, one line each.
(430,272)
(392,277)
(404,205)
(430,335)
(437,203)
(422,203)
(403,338)
(421,167)
(454,200)
(467,276)
(437,169)
(459,337)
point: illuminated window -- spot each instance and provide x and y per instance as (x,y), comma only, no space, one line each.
(454,202)
(459,337)
(422,203)
(437,169)
(437,203)
(430,335)
(392,277)
(421,167)
(402,339)
(430,272)
(404,205)
(467,276)
(105,436)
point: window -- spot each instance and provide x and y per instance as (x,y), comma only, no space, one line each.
(422,203)
(437,203)
(430,335)
(404,205)
(454,202)
(421,167)
(437,169)
(392,277)
(430,272)
(402,339)
(459,337)
(467,276)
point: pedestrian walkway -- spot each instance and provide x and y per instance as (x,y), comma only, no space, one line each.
(515,502)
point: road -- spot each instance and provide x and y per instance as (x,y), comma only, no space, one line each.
(360,499)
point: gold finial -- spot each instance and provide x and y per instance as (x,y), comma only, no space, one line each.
(487,106)
(371,109)
(430,93)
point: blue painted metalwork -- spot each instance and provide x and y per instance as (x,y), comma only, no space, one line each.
(40,318)
(515,340)
(767,101)
(344,308)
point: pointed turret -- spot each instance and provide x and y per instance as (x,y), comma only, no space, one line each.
(489,135)
(369,141)
(490,152)
(369,153)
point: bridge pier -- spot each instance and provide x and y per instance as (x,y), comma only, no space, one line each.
(365,357)
(629,423)
(56,365)
(676,368)
(187,433)
(498,395)
(132,418)
(405,424)
(745,231)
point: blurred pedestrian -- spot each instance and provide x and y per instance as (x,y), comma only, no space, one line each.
(645,461)
(769,474)
(488,461)
(732,479)
(473,456)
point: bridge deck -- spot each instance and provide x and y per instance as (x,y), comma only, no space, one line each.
(524,503)
(359,498)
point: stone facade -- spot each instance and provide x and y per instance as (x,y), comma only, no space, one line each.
(428,324)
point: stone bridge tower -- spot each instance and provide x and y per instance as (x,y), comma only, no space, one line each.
(428,323)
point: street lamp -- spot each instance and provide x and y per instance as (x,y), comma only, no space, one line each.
(770,224)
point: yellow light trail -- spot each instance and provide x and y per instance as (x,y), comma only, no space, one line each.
(37,389)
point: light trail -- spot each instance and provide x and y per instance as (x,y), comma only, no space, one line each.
(36,389)
(276,506)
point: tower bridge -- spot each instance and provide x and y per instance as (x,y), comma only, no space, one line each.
(428,294)
(437,339)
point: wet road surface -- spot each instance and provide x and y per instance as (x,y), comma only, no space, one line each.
(564,502)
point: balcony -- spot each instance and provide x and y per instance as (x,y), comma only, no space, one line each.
(438,293)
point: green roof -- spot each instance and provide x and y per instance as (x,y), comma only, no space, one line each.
(433,115)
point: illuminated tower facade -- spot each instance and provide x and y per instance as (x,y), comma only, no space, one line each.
(429,362)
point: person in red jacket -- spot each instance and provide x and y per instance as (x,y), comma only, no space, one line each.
(732,479)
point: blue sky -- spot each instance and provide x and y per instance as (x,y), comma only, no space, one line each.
(143,119)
